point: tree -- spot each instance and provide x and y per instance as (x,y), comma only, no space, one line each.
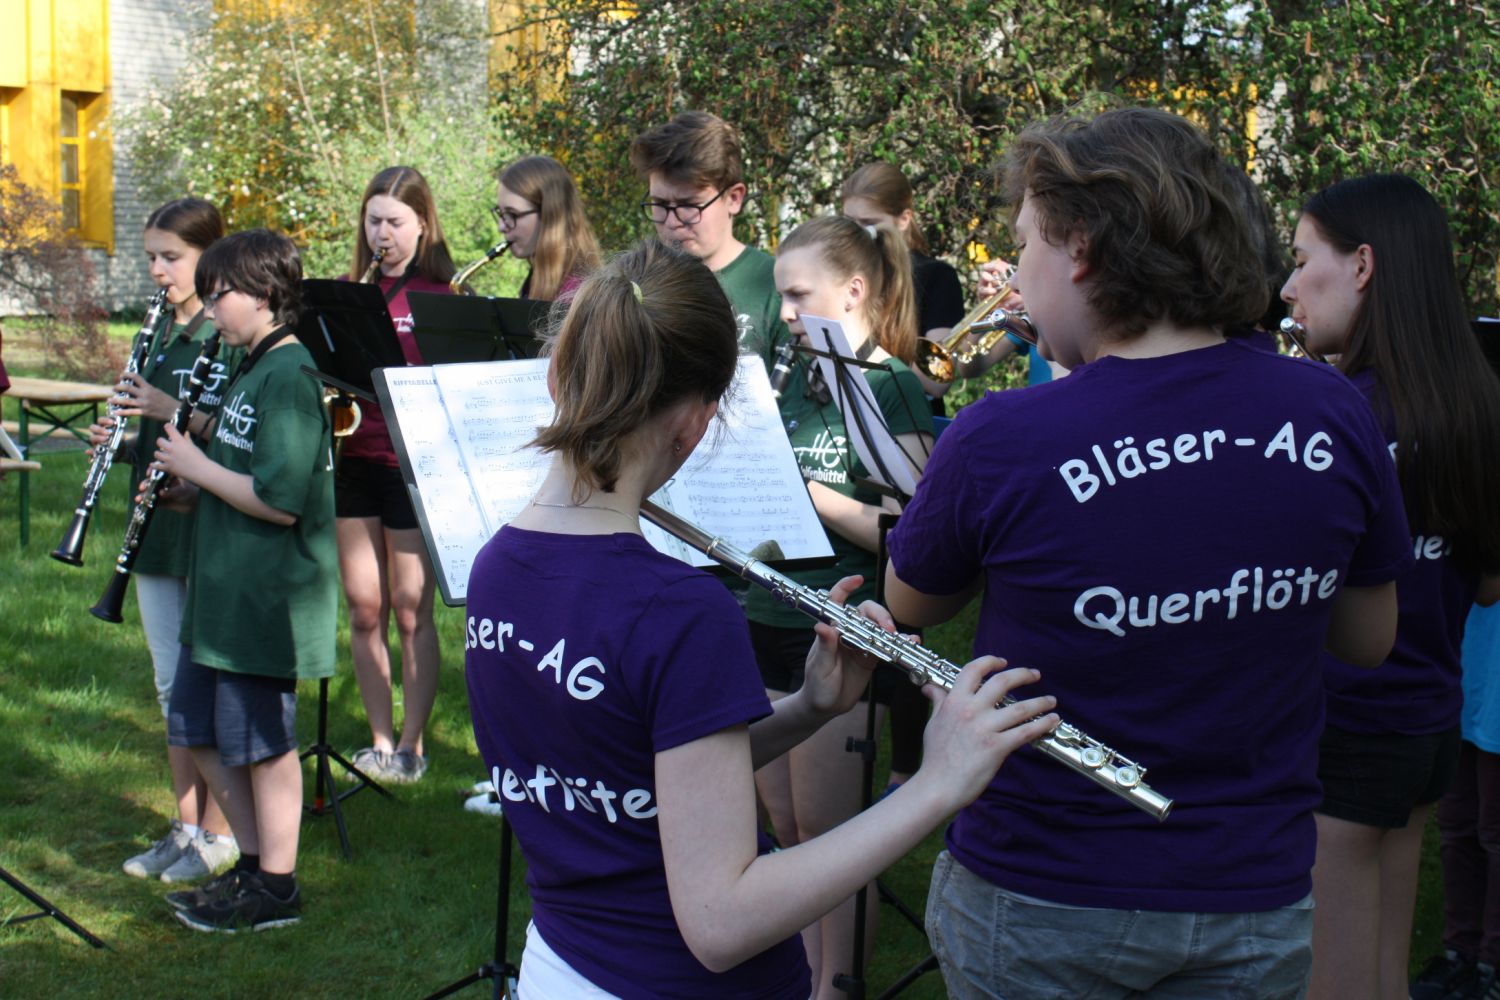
(939,87)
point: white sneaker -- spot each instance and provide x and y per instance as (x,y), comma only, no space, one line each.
(206,854)
(487,803)
(161,855)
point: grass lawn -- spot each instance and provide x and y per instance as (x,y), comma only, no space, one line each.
(85,785)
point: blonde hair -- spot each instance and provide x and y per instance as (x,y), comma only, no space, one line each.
(648,329)
(565,242)
(887,187)
(879,255)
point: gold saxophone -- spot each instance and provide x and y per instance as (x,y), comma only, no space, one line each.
(459,284)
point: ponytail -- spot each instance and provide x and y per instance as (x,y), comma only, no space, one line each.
(648,329)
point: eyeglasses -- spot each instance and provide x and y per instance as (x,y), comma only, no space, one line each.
(687,213)
(506,219)
(212,298)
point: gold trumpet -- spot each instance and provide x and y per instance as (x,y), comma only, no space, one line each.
(343,409)
(989,320)
(460,283)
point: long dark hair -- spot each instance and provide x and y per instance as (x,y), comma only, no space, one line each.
(1411,330)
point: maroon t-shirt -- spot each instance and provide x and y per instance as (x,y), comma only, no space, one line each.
(372,440)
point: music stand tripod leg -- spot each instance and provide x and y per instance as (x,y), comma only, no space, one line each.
(47,910)
(326,797)
(499,970)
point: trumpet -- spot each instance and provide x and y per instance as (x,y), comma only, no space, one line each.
(1296,334)
(1066,744)
(989,320)
(459,284)
(70,549)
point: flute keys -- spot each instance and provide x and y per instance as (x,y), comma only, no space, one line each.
(1127,777)
(1093,758)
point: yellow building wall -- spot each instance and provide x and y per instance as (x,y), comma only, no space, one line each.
(50,47)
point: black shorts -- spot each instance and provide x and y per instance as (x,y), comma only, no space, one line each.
(781,654)
(1379,780)
(368,489)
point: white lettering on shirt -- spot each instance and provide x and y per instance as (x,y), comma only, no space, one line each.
(577,794)
(1084,477)
(1109,609)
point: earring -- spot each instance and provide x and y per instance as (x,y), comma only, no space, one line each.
(677,447)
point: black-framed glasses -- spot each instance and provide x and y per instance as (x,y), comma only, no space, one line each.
(212,298)
(687,213)
(506,219)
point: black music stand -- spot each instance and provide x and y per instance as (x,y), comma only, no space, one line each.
(1488,332)
(47,910)
(326,795)
(347,329)
(456,328)
(499,970)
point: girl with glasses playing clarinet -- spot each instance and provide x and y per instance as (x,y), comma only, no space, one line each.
(620,710)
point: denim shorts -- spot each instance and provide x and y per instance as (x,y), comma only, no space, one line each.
(1001,945)
(249,718)
(1378,780)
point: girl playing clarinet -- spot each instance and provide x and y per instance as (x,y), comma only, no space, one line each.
(615,696)
(176,235)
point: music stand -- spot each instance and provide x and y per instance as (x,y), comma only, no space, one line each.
(499,969)
(347,329)
(47,910)
(458,328)
(1488,332)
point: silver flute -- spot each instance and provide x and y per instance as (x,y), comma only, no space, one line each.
(1066,744)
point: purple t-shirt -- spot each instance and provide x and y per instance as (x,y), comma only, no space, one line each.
(1162,538)
(586,656)
(1418,689)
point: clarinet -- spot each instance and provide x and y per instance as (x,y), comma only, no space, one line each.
(70,549)
(110,604)
(1066,744)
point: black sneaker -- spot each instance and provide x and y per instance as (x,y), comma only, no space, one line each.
(1442,976)
(251,908)
(224,885)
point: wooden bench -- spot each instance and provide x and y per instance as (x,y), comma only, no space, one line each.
(59,407)
(12,461)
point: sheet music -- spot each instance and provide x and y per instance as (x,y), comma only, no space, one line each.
(855,392)
(462,433)
(453,521)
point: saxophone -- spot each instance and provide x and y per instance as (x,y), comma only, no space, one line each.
(1066,744)
(109,606)
(70,549)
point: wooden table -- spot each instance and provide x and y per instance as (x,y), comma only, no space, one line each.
(60,407)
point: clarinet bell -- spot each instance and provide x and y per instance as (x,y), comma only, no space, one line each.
(113,601)
(70,549)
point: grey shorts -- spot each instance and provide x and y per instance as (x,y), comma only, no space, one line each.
(249,718)
(1001,945)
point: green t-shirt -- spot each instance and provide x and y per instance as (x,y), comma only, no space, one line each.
(749,281)
(825,455)
(262,597)
(166,548)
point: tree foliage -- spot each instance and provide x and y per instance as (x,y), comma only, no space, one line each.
(285,111)
(1303,92)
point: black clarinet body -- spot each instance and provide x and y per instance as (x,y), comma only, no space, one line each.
(113,601)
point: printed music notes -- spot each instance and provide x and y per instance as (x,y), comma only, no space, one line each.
(462,431)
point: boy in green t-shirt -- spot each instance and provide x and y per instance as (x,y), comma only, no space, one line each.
(262,600)
(695,187)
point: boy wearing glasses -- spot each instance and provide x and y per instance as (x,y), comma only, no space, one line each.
(695,187)
(262,591)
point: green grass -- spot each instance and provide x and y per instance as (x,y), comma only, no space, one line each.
(84,784)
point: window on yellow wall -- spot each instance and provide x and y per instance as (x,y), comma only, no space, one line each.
(72,150)
(6,94)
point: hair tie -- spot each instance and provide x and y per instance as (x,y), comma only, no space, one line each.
(872,231)
(636,290)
